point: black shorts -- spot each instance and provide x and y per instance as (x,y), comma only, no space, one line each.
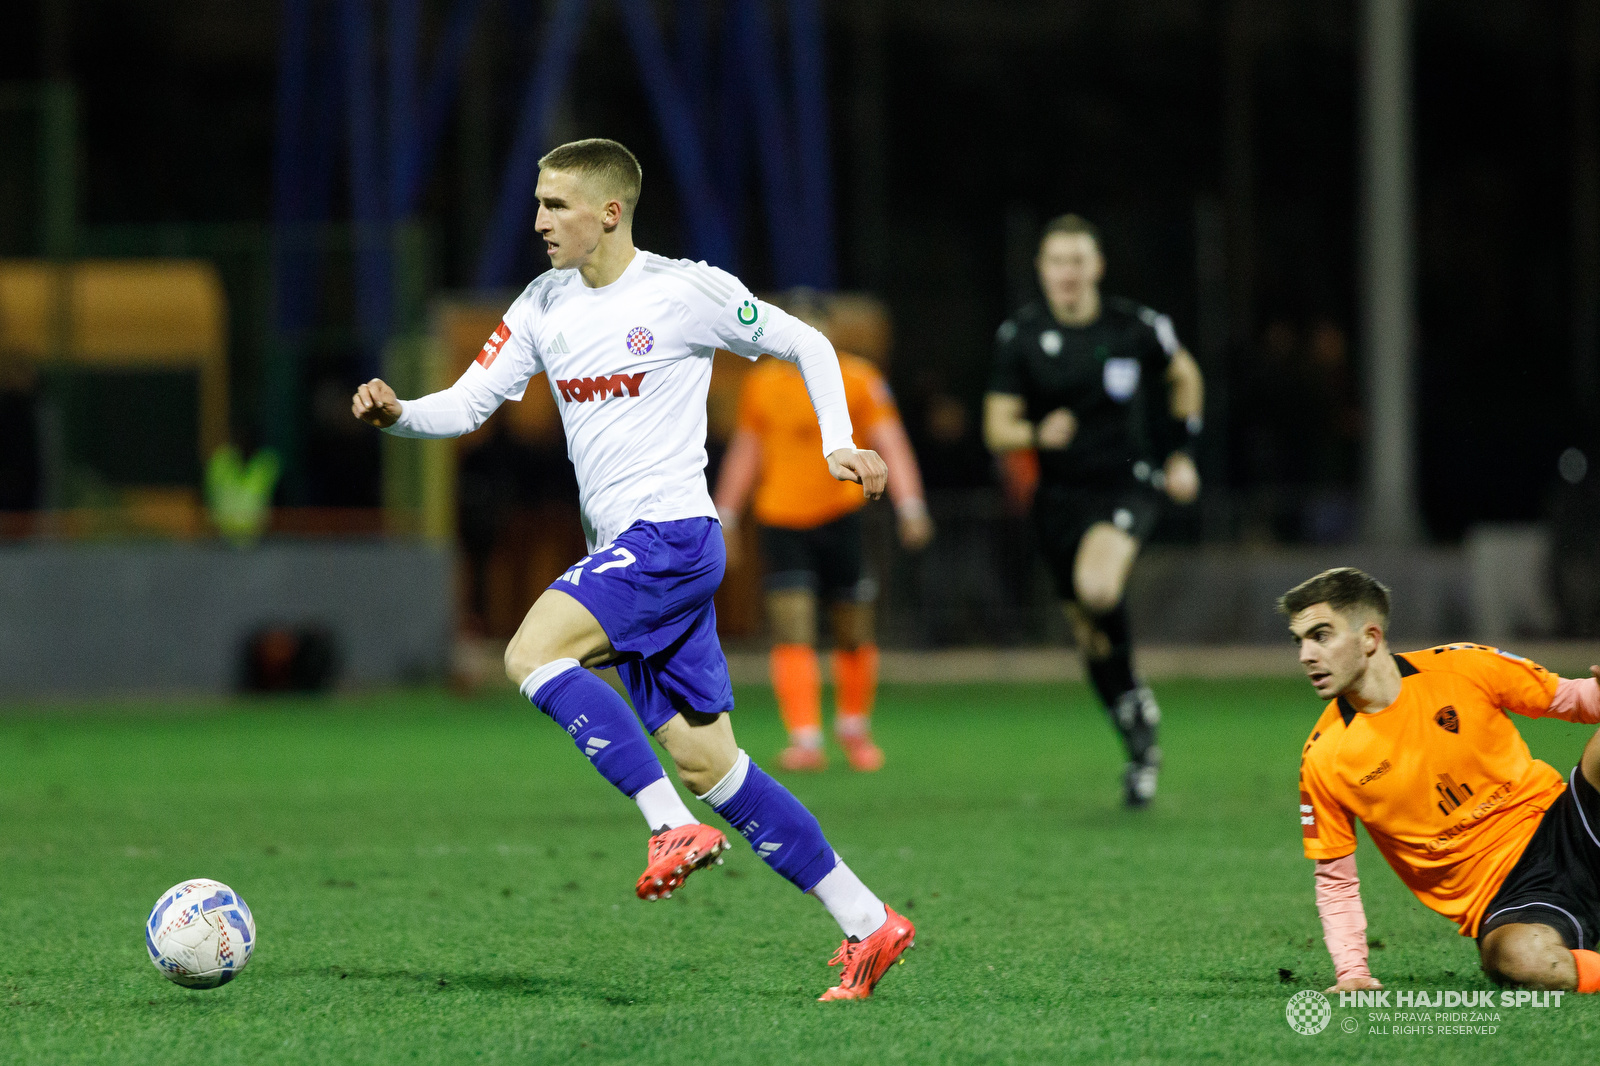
(1062,515)
(1557,880)
(825,559)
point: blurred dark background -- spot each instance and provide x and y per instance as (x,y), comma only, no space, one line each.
(1190,131)
(1217,143)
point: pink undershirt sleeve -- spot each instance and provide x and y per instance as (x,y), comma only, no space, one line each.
(1577,700)
(1344,922)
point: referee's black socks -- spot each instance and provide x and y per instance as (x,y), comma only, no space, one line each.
(1112,677)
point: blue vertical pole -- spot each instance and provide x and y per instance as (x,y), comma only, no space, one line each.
(694,68)
(290,313)
(708,230)
(507,229)
(772,142)
(289,156)
(405,24)
(811,141)
(443,77)
(368,202)
(731,142)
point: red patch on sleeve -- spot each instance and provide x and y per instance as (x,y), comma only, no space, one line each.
(1308,815)
(492,346)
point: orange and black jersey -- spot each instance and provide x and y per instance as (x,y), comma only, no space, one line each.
(1442,780)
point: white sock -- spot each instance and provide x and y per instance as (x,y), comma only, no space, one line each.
(661,805)
(852,904)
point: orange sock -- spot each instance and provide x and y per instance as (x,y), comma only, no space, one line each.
(1588,970)
(797,682)
(855,680)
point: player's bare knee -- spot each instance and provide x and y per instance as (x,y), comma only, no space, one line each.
(1098,595)
(851,625)
(792,613)
(522,658)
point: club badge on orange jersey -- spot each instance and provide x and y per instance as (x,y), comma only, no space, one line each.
(1447,718)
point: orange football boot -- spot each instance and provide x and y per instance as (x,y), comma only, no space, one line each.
(863,755)
(677,853)
(866,961)
(800,759)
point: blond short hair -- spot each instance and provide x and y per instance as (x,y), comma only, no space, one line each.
(606,163)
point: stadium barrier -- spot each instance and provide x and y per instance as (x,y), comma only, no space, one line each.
(90,619)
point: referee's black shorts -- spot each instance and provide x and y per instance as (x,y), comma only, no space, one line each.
(1062,514)
(825,559)
(1557,880)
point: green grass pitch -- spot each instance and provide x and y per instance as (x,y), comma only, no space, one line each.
(443,880)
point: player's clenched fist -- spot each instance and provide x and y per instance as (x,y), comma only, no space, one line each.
(376,404)
(866,468)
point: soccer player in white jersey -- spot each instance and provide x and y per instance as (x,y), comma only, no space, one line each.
(625,339)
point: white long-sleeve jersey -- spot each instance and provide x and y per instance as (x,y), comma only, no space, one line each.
(629,366)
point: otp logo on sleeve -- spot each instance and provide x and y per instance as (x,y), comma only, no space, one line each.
(640,340)
(492,346)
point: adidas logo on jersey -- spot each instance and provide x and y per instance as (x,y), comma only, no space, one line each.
(766,850)
(559,346)
(604,387)
(596,744)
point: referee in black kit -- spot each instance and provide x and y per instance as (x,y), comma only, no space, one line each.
(1102,388)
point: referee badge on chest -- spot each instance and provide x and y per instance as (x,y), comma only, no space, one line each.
(1121,378)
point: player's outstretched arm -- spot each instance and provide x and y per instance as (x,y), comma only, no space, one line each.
(376,404)
(1577,699)
(1344,924)
(452,412)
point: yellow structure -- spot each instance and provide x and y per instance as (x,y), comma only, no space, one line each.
(126,314)
(122,314)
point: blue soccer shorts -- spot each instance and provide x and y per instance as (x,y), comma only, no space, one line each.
(651,591)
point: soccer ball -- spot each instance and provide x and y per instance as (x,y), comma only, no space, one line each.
(200,934)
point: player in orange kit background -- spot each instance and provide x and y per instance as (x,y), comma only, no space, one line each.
(1420,749)
(811,539)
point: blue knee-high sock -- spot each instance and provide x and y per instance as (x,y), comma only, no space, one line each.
(778,826)
(598,721)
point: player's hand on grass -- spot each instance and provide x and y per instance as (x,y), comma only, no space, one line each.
(376,404)
(1056,429)
(1357,984)
(863,466)
(1183,480)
